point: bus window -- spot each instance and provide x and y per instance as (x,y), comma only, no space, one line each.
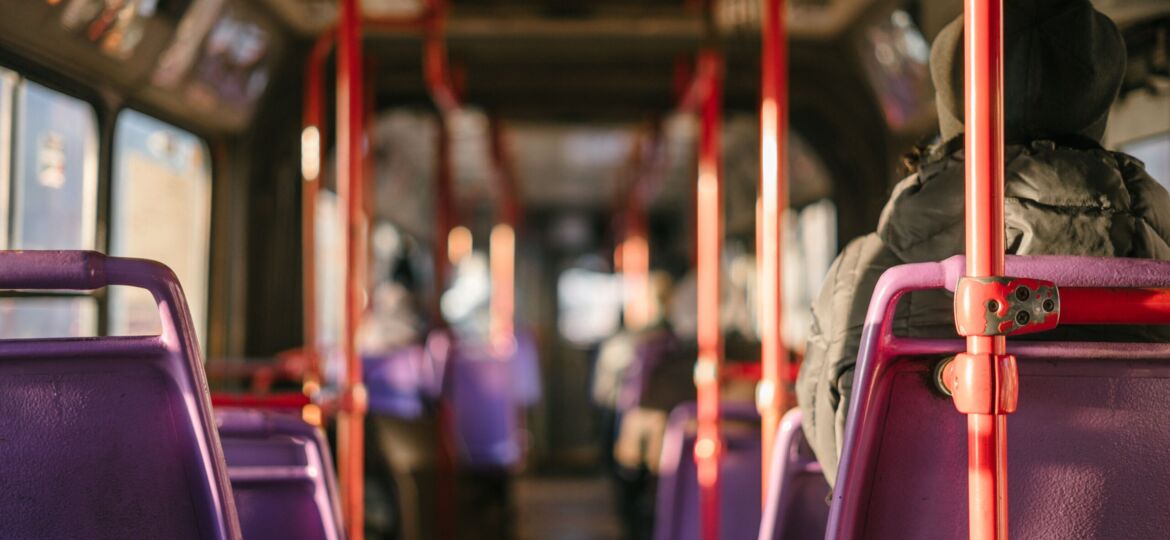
(590,304)
(895,55)
(160,210)
(330,271)
(54,196)
(47,317)
(7,85)
(1155,153)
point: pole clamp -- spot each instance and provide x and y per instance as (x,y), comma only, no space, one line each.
(1001,306)
(970,379)
(355,399)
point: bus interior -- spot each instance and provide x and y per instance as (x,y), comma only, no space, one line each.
(532,269)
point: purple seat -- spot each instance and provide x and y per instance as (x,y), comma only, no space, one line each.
(1087,449)
(526,370)
(282,476)
(484,408)
(797,506)
(677,505)
(108,437)
(395,382)
(651,351)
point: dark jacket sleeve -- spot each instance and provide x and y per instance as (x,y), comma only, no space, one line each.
(838,315)
(1151,209)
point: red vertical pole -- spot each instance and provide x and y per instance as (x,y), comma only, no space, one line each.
(444,222)
(437,76)
(709,249)
(350,169)
(503,242)
(634,248)
(987,433)
(312,156)
(772,395)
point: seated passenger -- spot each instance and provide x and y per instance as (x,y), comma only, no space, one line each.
(1065,194)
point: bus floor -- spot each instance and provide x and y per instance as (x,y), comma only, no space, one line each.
(566,507)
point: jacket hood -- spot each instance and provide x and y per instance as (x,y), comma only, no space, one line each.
(1058,200)
(1063,66)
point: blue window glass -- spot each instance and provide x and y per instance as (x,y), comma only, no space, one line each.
(54,201)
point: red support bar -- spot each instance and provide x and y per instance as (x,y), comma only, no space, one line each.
(312,156)
(502,244)
(350,187)
(1114,306)
(987,433)
(709,249)
(772,397)
(633,250)
(294,401)
(442,92)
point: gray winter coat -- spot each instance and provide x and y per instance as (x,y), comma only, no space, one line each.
(1059,201)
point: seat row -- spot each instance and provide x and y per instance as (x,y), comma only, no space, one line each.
(114,437)
(1087,446)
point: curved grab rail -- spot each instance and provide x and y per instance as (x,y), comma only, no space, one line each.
(89,270)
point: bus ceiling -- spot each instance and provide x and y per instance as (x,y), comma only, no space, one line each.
(208,64)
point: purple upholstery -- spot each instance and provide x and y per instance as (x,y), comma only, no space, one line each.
(282,476)
(796,507)
(108,437)
(396,382)
(484,408)
(1087,449)
(439,347)
(526,369)
(677,506)
(651,351)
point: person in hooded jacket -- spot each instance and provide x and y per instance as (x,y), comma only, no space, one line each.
(1064,195)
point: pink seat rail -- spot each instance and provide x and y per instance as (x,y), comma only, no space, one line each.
(796,501)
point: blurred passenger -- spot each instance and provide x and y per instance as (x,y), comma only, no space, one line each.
(628,432)
(401,440)
(1065,194)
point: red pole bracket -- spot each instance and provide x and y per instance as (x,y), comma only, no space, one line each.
(1000,306)
(970,380)
(355,399)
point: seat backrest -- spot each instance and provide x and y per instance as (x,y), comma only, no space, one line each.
(484,408)
(108,437)
(1086,448)
(796,505)
(526,369)
(677,505)
(282,476)
(395,382)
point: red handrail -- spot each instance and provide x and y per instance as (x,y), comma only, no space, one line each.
(312,157)
(632,253)
(772,396)
(986,430)
(502,244)
(709,222)
(350,187)
(437,74)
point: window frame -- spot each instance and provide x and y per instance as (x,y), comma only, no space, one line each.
(11,146)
